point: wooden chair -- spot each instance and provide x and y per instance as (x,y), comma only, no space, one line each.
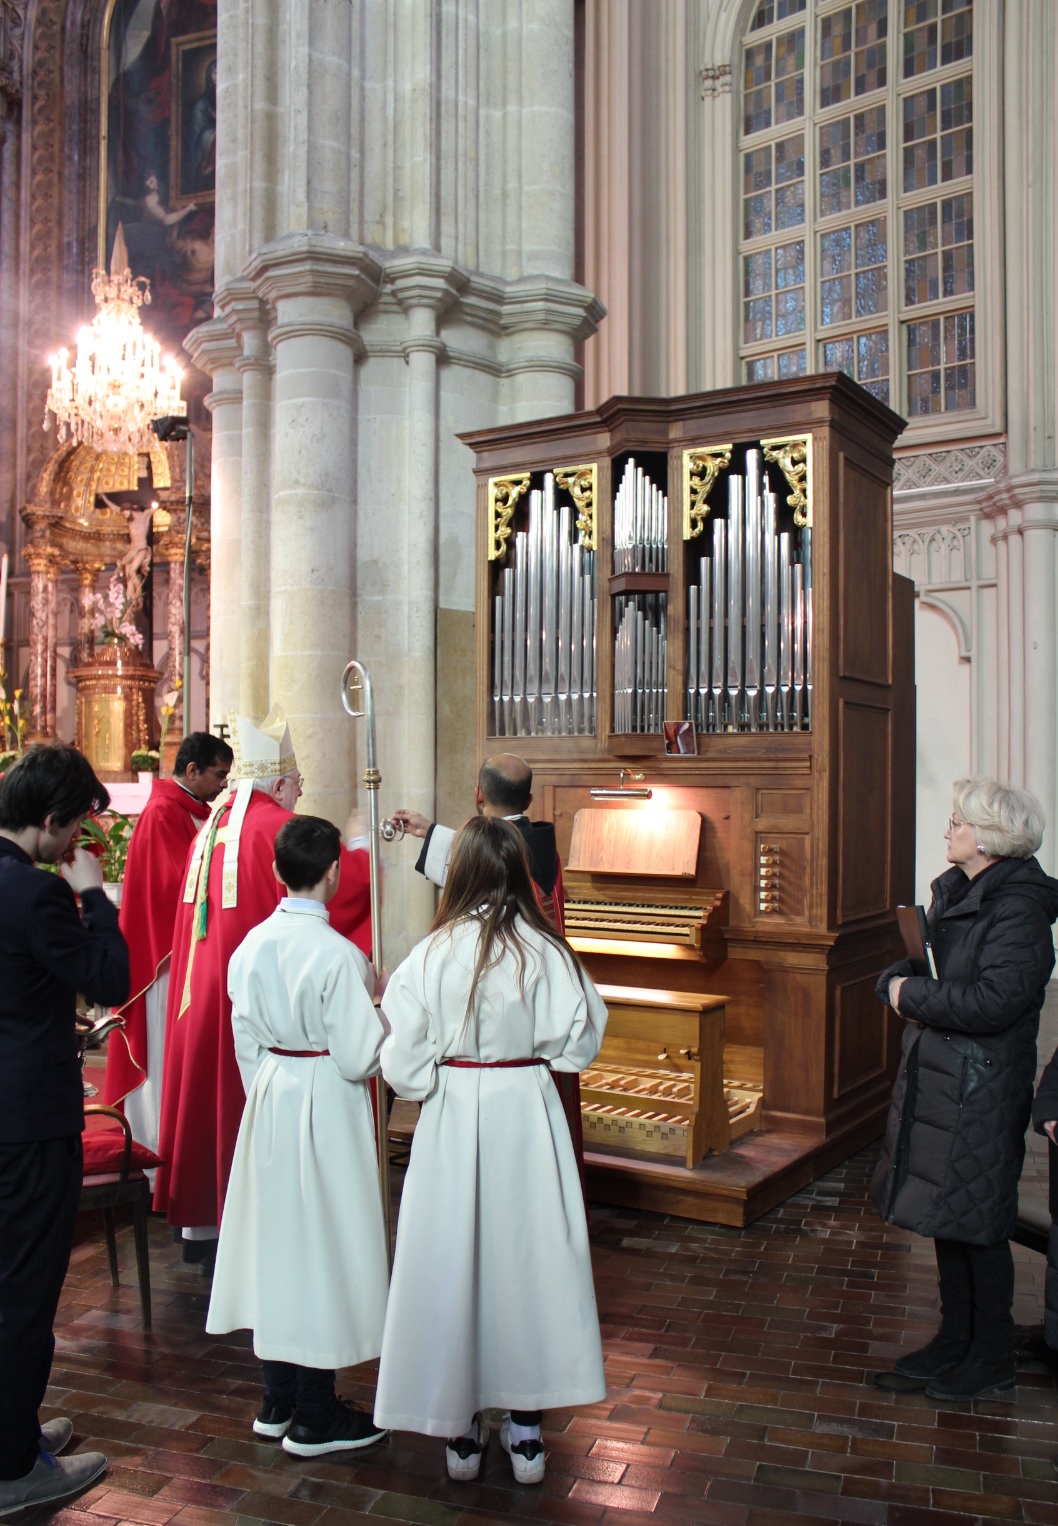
(126,1187)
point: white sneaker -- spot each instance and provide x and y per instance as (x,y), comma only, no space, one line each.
(463,1456)
(528,1458)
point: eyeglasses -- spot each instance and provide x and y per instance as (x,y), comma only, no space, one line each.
(954,823)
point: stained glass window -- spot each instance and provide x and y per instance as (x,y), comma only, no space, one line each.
(857,137)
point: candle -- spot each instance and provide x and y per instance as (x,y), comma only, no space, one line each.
(3,601)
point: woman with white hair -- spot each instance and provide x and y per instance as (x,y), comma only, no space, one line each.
(955,1138)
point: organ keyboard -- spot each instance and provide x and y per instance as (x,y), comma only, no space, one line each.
(645,921)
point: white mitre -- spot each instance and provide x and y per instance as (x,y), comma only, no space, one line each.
(261,752)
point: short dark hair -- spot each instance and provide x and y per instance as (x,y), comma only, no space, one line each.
(306,847)
(203,749)
(50,779)
(501,789)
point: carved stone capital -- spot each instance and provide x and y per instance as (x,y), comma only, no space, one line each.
(546,302)
(424,279)
(212,346)
(247,316)
(315,265)
(716,80)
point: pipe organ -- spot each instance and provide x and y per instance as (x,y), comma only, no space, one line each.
(715,567)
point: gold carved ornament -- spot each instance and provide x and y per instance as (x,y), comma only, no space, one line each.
(793,456)
(700,470)
(581,482)
(504,493)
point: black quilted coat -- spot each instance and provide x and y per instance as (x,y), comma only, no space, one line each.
(955,1138)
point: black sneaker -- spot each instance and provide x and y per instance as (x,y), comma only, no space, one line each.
(974,1378)
(273,1419)
(350,1430)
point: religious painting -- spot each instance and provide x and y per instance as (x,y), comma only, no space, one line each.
(193,131)
(160,157)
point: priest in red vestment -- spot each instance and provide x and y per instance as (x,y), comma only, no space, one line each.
(154,883)
(229,888)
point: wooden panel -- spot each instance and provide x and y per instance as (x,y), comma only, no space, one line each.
(864,741)
(859,1035)
(644,843)
(782,802)
(866,555)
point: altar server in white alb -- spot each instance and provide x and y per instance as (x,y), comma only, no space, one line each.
(301,1259)
(492,1304)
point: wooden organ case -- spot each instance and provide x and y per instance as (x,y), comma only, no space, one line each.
(723,561)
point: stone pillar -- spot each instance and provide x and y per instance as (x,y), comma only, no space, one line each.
(51,648)
(41,656)
(424,285)
(1030,493)
(248,317)
(169,548)
(317,284)
(213,347)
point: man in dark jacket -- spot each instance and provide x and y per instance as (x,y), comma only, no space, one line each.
(504,789)
(48,954)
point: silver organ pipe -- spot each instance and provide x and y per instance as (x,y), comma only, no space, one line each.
(640,658)
(705,605)
(640,523)
(544,627)
(735,592)
(717,668)
(749,638)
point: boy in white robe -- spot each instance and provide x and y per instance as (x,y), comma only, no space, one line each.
(492,1303)
(301,1259)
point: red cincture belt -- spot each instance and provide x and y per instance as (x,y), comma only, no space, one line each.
(491,1064)
(300,1054)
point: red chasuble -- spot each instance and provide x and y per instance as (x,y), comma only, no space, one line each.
(202,1091)
(154,883)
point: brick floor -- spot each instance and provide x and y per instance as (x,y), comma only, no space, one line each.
(739,1368)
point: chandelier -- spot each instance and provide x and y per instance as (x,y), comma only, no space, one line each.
(120,379)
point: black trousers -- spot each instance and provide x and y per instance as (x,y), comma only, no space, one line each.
(40,1188)
(977,1295)
(309,1392)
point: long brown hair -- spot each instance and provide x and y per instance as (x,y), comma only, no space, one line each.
(489,879)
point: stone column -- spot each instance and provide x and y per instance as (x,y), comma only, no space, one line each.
(169,548)
(248,317)
(1030,493)
(317,284)
(424,285)
(39,560)
(213,347)
(51,648)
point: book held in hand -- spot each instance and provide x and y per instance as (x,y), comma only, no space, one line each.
(914,930)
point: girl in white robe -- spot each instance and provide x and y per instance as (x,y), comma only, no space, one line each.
(301,1259)
(492,1304)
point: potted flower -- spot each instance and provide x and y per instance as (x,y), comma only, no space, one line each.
(146,761)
